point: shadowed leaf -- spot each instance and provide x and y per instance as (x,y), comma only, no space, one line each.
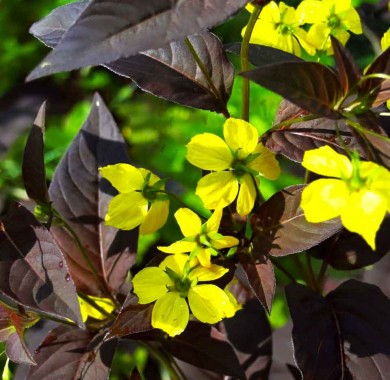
(292,140)
(348,71)
(348,251)
(260,55)
(109,30)
(70,353)
(344,335)
(261,278)
(180,79)
(81,196)
(280,227)
(51,28)
(33,164)
(249,332)
(33,271)
(133,318)
(309,85)
(205,347)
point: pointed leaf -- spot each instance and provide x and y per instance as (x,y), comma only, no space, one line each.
(292,140)
(133,318)
(344,335)
(348,251)
(108,30)
(383,94)
(17,351)
(180,78)
(250,334)
(205,347)
(348,71)
(280,227)
(261,278)
(33,164)
(81,196)
(33,271)
(309,85)
(70,353)
(51,29)
(260,55)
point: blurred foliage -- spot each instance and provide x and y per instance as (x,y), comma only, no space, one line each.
(155,129)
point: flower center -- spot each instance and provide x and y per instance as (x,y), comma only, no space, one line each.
(356,182)
(334,22)
(149,193)
(239,168)
(285,29)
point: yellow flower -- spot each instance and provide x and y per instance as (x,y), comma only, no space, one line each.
(359,192)
(175,280)
(385,41)
(329,17)
(87,310)
(141,199)
(202,241)
(278,26)
(236,165)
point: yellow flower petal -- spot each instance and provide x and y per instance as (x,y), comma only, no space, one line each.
(224,242)
(324,199)
(155,217)
(152,177)
(150,284)
(385,40)
(189,223)
(271,13)
(175,262)
(214,221)
(170,314)
(126,211)
(246,196)
(326,161)
(237,306)
(124,177)
(364,214)
(312,11)
(209,152)
(241,136)
(87,310)
(209,304)
(207,274)
(204,256)
(179,247)
(319,36)
(266,164)
(217,189)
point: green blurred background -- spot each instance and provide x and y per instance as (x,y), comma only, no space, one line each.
(155,130)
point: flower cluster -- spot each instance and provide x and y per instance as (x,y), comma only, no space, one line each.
(280,26)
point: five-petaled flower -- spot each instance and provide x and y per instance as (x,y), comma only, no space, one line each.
(236,165)
(278,26)
(175,280)
(359,192)
(329,17)
(201,240)
(141,199)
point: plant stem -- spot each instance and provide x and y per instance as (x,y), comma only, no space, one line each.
(206,74)
(303,271)
(283,269)
(244,58)
(310,270)
(177,199)
(321,276)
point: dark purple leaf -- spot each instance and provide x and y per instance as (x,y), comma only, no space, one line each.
(292,140)
(33,164)
(347,68)
(81,196)
(261,278)
(179,77)
(70,353)
(379,275)
(250,334)
(383,94)
(132,319)
(205,347)
(260,55)
(51,29)
(33,271)
(111,29)
(280,227)
(347,250)
(309,85)
(17,351)
(342,336)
